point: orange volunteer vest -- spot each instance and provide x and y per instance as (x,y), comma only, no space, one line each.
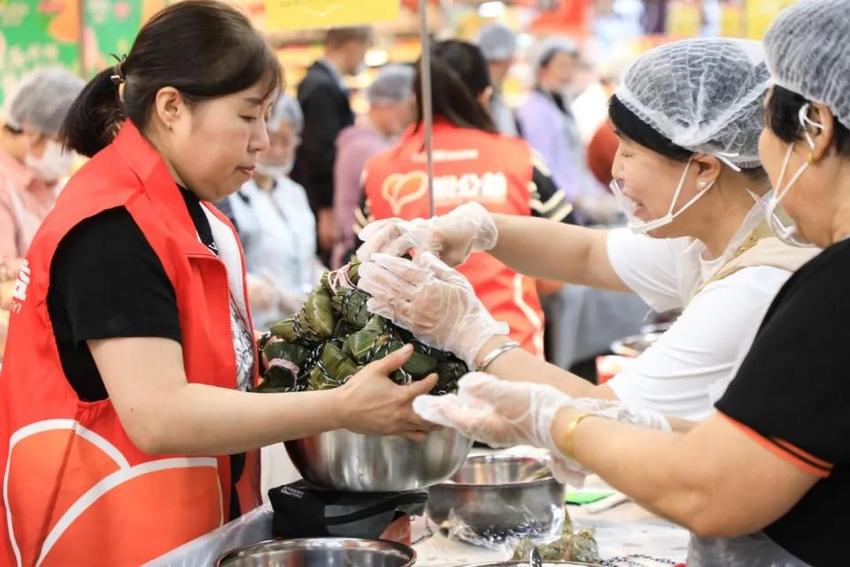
(469,165)
(76,490)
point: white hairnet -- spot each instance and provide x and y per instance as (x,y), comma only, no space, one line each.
(42,99)
(393,83)
(497,42)
(286,109)
(547,47)
(808,52)
(703,95)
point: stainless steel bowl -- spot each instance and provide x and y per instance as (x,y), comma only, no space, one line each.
(343,460)
(320,552)
(499,495)
(634,345)
(525,564)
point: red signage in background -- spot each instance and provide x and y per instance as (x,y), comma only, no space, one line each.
(561,17)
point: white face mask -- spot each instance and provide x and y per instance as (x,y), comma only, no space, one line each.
(782,226)
(53,165)
(639,226)
(276,171)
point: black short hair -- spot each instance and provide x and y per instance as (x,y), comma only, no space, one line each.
(628,125)
(337,37)
(782,117)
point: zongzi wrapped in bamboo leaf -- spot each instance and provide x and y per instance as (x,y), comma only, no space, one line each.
(315,322)
(350,304)
(285,330)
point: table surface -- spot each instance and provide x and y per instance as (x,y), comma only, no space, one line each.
(621,531)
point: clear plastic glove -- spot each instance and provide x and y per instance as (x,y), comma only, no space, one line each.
(453,237)
(503,413)
(431,300)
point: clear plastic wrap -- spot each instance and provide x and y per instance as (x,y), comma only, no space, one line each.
(755,549)
(253,527)
(552,534)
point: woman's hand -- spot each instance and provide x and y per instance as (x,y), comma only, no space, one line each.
(431,300)
(502,413)
(371,403)
(453,237)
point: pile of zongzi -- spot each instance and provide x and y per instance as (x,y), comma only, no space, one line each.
(334,336)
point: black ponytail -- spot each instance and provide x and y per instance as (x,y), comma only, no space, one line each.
(203,48)
(94,117)
(459,75)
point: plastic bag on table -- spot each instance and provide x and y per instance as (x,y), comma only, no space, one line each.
(755,549)
(519,523)
(253,527)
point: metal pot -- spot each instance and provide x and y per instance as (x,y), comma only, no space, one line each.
(320,552)
(500,495)
(342,460)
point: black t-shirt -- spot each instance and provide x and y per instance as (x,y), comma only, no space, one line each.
(106,281)
(792,393)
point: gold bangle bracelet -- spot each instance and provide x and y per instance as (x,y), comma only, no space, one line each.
(568,435)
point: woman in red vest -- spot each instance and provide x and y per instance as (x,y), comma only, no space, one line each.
(125,425)
(473,163)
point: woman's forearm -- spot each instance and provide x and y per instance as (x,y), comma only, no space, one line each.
(206,420)
(621,454)
(521,366)
(551,250)
(714,480)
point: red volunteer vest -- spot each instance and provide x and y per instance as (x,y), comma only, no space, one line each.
(76,490)
(469,165)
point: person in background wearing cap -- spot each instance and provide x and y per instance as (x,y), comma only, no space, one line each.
(324,99)
(764,481)
(392,108)
(688,172)
(276,225)
(498,43)
(32,162)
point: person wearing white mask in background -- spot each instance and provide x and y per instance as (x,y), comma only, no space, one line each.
(764,481)
(547,121)
(688,115)
(32,163)
(276,225)
(498,43)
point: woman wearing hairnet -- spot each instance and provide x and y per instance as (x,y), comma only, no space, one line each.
(31,164)
(765,480)
(276,225)
(696,240)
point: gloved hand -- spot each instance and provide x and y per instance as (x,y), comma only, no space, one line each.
(453,237)
(431,300)
(503,413)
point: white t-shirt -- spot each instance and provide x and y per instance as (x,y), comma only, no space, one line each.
(689,367)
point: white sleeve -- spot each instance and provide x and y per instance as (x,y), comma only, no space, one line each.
(648,266)
(690,366)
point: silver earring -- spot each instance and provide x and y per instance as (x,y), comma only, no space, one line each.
(702,184)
